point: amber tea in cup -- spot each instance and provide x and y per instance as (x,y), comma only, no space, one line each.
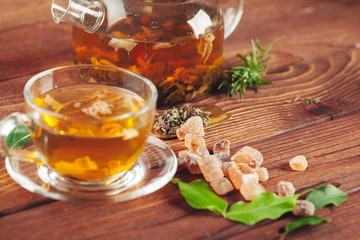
(81,148)
(89,123)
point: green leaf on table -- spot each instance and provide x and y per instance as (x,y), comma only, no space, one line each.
(264,206)
(311,220)
(18,137)
(325,195)
(199,195)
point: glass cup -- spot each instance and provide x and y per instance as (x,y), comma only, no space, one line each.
(88,123)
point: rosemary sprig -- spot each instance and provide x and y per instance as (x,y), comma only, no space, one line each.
(249,72)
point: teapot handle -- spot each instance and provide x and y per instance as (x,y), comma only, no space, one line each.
(232,12)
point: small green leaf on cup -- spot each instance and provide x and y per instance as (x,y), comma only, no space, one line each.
(325,195)
(311,220)
(264,206)
(18,137)
(199,195)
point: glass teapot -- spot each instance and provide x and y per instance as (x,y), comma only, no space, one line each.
(177,44)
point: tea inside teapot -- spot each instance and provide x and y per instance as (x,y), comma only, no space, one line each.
(178,45)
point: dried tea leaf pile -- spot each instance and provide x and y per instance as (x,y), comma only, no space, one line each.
(168,123)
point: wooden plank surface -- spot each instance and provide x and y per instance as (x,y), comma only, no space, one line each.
(318,58)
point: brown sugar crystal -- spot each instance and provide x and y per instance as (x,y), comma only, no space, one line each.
(193,125)
(191,161)
(235,175)
(222,186)
(202,151)
(226,166)
(222,156)
(285,189)
(238,178)
(246,169)
(249,156)
(211,168)
(298,163)
(304,208)
(250,189)
(263,173)
(222,146)
(193,142)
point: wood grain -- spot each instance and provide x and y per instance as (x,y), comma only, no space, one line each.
(165,212)
(318,58)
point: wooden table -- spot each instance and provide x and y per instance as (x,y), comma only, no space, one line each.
(318,58)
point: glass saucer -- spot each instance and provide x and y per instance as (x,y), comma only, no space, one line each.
(154,169)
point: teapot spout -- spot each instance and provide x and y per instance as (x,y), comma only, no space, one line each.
(85,14)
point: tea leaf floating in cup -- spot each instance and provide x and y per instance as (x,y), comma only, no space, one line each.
(166,125)
(18,137)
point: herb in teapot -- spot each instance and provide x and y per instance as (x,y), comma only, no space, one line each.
(182,63)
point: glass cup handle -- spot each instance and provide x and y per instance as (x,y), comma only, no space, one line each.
(232,12)
(7,125)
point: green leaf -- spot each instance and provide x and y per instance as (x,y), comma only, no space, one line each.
(18,137)
(199,195)
(325,195)
(311,220)
(264,206)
